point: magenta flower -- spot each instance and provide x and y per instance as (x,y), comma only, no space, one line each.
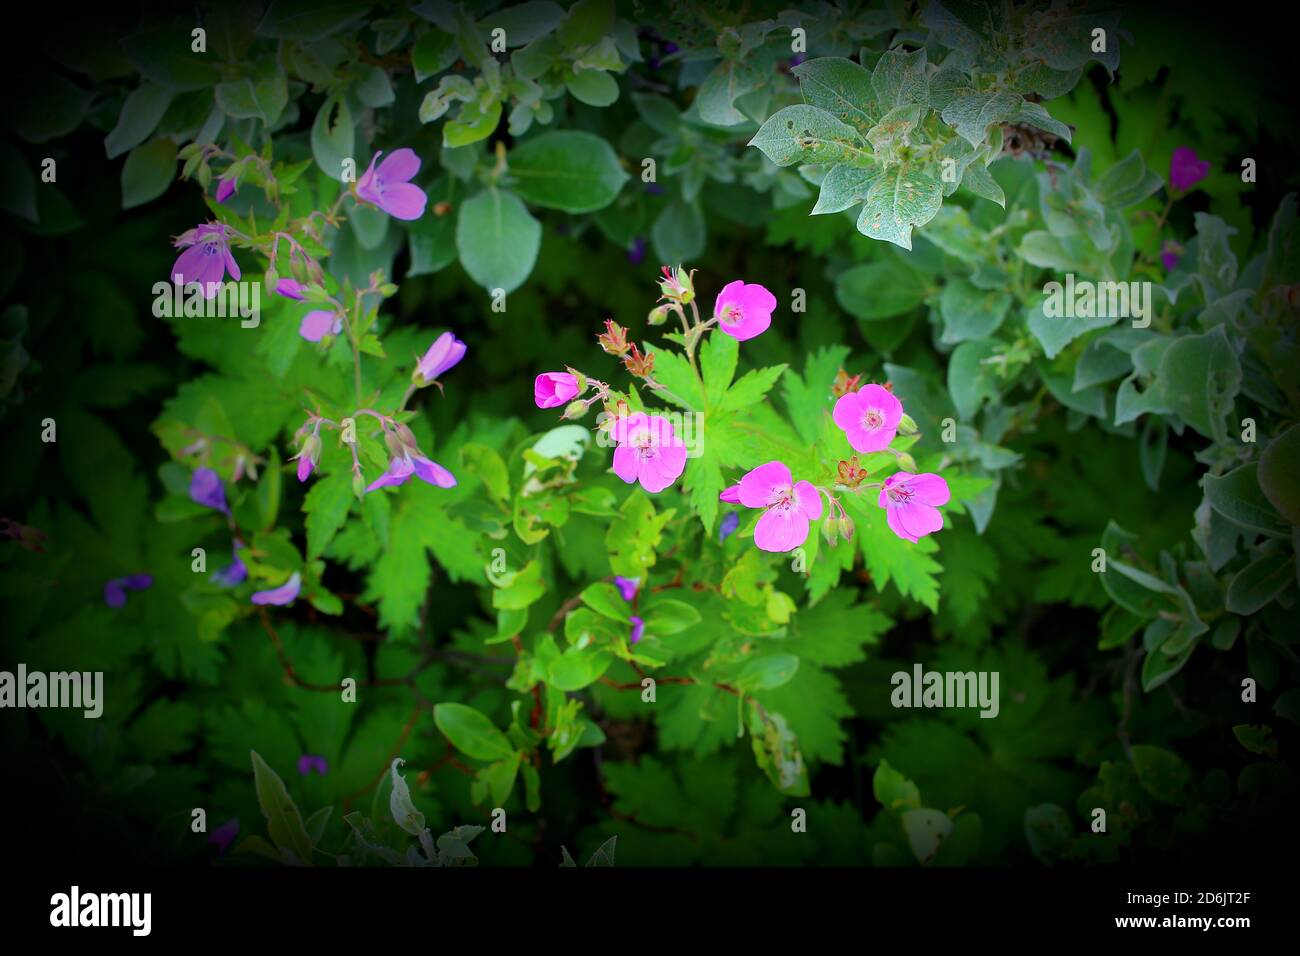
(648,451)
(290,289)
(638,628)
(412,462)
(869,417)
(115,590)
(744,311)
(627,587)
(308,455)
(316,325)
(731,495)
(206,258)
(1186,170)
(790,506)
(911,504)
(389,186)
(284,594)
(206,489)
(225,188)
(224,835)
(554,388)
(444,353)
(309,762)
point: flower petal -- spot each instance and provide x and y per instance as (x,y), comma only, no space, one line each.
(756,487)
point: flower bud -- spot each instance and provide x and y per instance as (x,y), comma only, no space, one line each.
(658,315)
(907,425)
(575,410)
(358,485)
(396,448)
(830,531)
(907,462)
(846,526)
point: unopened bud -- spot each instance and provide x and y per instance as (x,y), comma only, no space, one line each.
(358,485)
(406,437)
(575,410)
(830,531)
(396,449)
(846,527)
(907,462)
(658,315)
(907,425)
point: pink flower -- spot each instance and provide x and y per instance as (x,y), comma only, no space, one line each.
(744,311)
(412,462)
(1186,170)
(284,594)
(790,506)
(648,451)
(316,325)
(389,186)
(308,456)
(290,289)
(554,388)
(225,188)
(911,504)
(638,628)
(869,417)
(444,353)
(730,495)
(206,258)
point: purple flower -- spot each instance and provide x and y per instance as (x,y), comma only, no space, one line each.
(309,762)
(290,289)
(206,489)
(115,590)
(225,188)
(234,573)
(636,253)
(1186,170)
(731,494)
(1170,253)
(730,522)
(389,186)
(412,462)
(442,355)
(224,835)
(206,258)
(316,325)
(654,189)
(627,587)
(284,594)
(638,628)
(798,58)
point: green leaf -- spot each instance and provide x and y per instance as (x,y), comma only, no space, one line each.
(902,197)
(971,313)
(752,388)
(593,87)
(1238,497)
(1199,378)
(730,80)
(283,821)
(843,188)
(895,792)
(588,21)
(806,134)
(475,122)
(262,94)
(1279,474)
(1258,583)
(605,599)
(497,239)
(970,380)
(880,290)
(333,137)
(718,357)
(147,172)
(668,617)
(900,79)
(840,87)
(471,732)
(678,232)
(569,170)
(310,19)
(926,830)
(141,111)
(767,672)
(326,506)
(520,589)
